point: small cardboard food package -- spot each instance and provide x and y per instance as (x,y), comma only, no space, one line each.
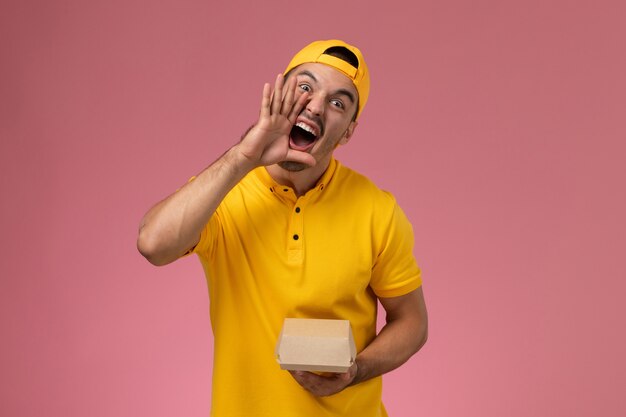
(316,345)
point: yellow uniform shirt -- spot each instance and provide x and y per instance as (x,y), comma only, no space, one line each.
(268,255)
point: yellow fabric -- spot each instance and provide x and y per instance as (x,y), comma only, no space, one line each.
(353,242)
(338,63)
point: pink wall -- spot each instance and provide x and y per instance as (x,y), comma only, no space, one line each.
(500,127)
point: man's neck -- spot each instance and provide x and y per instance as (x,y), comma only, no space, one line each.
(299,181)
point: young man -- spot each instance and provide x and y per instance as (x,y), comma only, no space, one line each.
(284,230)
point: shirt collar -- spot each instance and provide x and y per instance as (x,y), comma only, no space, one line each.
(266,179)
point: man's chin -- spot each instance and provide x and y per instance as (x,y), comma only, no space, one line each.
(292,166)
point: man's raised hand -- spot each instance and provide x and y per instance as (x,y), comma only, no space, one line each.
(267,142)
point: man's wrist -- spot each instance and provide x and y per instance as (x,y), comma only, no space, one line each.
(360,372)
(238,163)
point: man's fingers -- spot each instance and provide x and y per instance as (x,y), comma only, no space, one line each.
(289,96)
(297,107)
(265,102)
(277,97)
(320,385)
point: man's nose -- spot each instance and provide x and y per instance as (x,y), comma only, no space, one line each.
(315,105)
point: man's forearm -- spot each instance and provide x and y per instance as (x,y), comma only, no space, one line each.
(393,346)
(404,334)
(173,226)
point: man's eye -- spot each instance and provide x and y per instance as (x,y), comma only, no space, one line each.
(305,87)
(337,103)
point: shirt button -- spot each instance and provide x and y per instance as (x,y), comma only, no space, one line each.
(296,237)
(297,209)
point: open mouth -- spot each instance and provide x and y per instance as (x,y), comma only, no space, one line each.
(303,136)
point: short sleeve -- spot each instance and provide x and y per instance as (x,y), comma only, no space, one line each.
(204,248)
(395,271)
(208,235)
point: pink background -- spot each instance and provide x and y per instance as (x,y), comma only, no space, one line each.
(499,126)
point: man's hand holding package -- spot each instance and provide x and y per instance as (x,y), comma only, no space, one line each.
(324,385)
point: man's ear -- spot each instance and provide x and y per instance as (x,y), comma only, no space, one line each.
(349,131)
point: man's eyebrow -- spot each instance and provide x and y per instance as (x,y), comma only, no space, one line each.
(308,74)
(346,93)
(342,91)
